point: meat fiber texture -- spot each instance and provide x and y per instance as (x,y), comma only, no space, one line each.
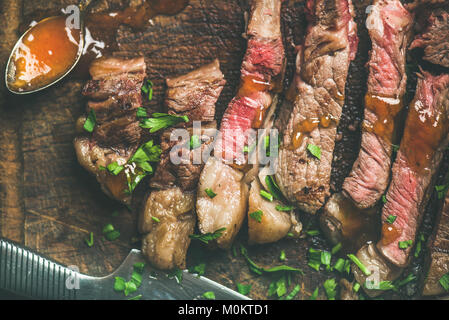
(168,217)
(319,87)
(114,94)
(435,39)
(262,67)
(438,254)
(389,25)
(419,157)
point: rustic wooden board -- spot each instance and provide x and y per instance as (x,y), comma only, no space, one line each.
(49,203)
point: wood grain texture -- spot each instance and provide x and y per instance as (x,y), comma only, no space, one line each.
(49,203)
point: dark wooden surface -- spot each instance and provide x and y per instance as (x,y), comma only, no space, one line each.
(49,203)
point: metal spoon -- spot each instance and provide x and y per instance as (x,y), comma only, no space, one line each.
(10,72)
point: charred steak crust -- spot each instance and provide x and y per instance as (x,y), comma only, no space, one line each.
(435,39)
(389,25)
(413,174)
(114,94)
(317,95)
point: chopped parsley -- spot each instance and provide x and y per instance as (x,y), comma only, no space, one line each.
(110,233)
(142,159)
(384,198)
(282,256)
(359,264)
(339,265)
(257,215)
(244,289)
(283,208)
(418,249)
(336,248)
(147,88)
(444,281)
(268,196)
(293,293)
(90,241)
(314,294)
(391,219)
(314,259)
(405,244)
(209,295)
(138,297)
(155,219)
(330,286)
(314,150)
(177,274)
(161,121)
(194,142)
(141,112)
(356,287)
(312,232)
(114,168)
(208,236)
(199,269)
(128,287)
(210,193)
(91,121)
(274,188)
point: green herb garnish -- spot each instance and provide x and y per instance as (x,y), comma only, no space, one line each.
(110,233)
(282,256)
(274,188)
(161,121)
(138,297)
(244,288)
(336,248)
(141,112)
(384,198)
(314,294)
(208,236)
(257,215)
(266,195)
(405,244)
(155,219)
(444,281)
(421,239)
(119,284)
(209,295)
(198,269)
(195,142)
(114,168)
(210,193)
(314,150)
(90,241)
(147,88)
(91,121)
(330,288)
(177,274)
(293,293)
(391,219)
(284,208)
(359,264)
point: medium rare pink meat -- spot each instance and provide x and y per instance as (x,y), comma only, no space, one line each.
(261,75)
(420,154)
(261,71)
(316,100)
(389,25)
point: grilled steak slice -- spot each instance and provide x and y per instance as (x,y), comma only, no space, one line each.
(389,25)
(167,240)
(168,219)
(435,40)
(196,93)
(193,95)
(419,156)
(261,74)
(114,94)
(438,255)
(316,99)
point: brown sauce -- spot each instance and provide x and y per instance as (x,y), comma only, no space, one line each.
(423,135)
(50,49)
(305,127)
(45,53)
(357,226)
(386,109)
(389,234)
